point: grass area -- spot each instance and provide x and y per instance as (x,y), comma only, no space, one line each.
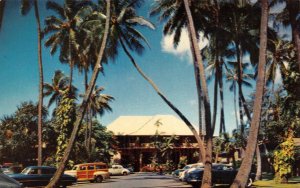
(268,181)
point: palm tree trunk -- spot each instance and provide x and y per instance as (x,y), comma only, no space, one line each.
(201,110)
(87,114)
(82,109)
(206,180)
(293,7)
(71,66)
(242,176)
(240,80)
(235,109)
(222,117)
(215,95)
(90,132)
(241,116)
(175,109)
(258,161)
(41,83)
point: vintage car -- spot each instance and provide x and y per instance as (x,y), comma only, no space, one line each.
(221,174)
(8,182)
(93,172)
(34,176)
(182,175)
(118,170)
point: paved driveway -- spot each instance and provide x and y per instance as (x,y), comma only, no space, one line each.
(139,180)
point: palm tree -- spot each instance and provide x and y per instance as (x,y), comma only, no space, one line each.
(175,17)
(289,17)
(279,52)
(98,104)
(232,77)
(25,8)
(206,180)
(64,31)
(82,109)
(242,176)
(242,28)
(56,88)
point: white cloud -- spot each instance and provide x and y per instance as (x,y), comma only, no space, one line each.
(183,49)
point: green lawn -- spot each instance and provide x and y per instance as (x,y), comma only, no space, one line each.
(269,182)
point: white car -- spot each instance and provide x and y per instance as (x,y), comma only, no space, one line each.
(189,168)
(118,170)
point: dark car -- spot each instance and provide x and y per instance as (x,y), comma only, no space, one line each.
(30,176)
(221,174)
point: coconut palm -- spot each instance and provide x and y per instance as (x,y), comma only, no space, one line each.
(82,109)
(279,53)
(173,13)
(289,16)
(56,88)
(243,174)
(232,77)
(64,31)
(26,5)
(206,180)
(241,26)
(98,105)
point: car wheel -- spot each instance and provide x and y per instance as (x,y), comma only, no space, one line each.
(125,173)
(98,179)
(249,182)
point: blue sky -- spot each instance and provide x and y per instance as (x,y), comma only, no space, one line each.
(170,68)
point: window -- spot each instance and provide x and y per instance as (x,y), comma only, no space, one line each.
(82,168)
(100,167)
(48,171)
(91,167)
(33,171)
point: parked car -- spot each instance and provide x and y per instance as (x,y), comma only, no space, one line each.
(177,172)
(8,182)
(191,167)
(118,170)
(30,176)
(93,172)
(221,174)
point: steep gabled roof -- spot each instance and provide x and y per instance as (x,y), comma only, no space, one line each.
(148,125)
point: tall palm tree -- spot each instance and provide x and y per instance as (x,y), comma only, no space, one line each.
(232,77)
(64,31)
(56,88)
(175,17)
(82,109)
(98,104)
(243,174)
(25,8)
(289,16)
(279,53)
(242,26)
(206,180)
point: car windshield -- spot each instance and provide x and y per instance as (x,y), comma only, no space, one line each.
(25,171)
